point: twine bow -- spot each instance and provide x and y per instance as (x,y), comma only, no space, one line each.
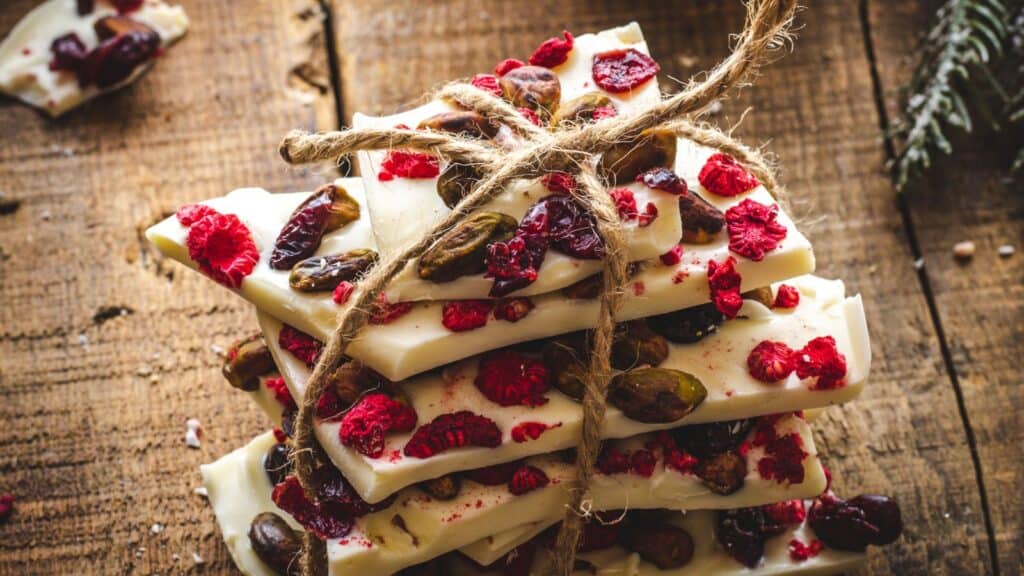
(572,150)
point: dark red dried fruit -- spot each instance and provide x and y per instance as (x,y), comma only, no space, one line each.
(675,457)
(114,60)
(510,378)
(334,493)
(705,440)
(689,325)
(303,232)
(301,345)
(799,552)
(598,536)
(342,292)
(488,83)
(507,64)
(125,6)
(527,479)
(559,182)
(525,431)
(854,524)
(643,462)
(625,203)
(649,214)
(385,313)
(553,52)
(781,515)
(611,460)
(661,178)
(771,361)
(622,70)
(512,309)
(404,164)
(289,497)
(783,460)
(673,256)
(364,426)
(68,52)
(277,463)
(514,264)
(463,315)
(723,175)
(330,406)
(569,229)
(786,297)
(724,282)
(454,430)
(741,534)
(495,475)
(191,213)
(280,390)
(6,506)
(820,358)
(753,229)
(222,246)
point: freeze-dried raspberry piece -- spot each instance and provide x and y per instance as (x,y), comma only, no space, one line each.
(510,378)
(612,461)
(622,70)
(780,515)
(404,164)
(675,458)
(771,361)
(559,182)
(783,460)
(625,203)
(288,496)
(753,229)
(723,175)
(648,215)
(512,309)
(454,430)
(553,51)
(525,431)
(507,64)
(799,552)
(820,358)
(464,315)
(191,213)
(495,475)
(527,479)
(6,506)
(342,292)
(301,345)
(487,83)
(673,256)
(365,424)
(385,312)
(786,297)
(221,245)
(642,462)
(661,178)
(724,282)
(281,393)
(602,112)
(530,115)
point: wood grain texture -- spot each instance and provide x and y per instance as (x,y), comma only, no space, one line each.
(816,107)
(94,402)
(980,302)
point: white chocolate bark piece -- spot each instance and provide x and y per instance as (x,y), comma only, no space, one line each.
(719,361)
(418,341)
(405,209)
(25,54)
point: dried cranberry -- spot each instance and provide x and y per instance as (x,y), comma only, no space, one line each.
(704,440)
(553,52)
(820,358)
(675,458)
(786,297)
(512,309)
(222,246)
(853,525)
(191,213)
(335,493)
(622,70)
(454,430)
(570,229)
(661,178)
(611,460)
(525,431)
(771,361)
(495,475)
(487,83)
(689,325)
(514,264)
(68,52)
(625,203)
(753,229)
(125,6)
(510,378)
(288,496)
(281,393)
(114,60)
(741,534)
(404,164)
(724,283)
(301,345)
(364,426)
(643,462)
(463,315)
(330,406)
(527,479)
(799,552)
(507,64)
(303,232)
(673,256)
(723,175)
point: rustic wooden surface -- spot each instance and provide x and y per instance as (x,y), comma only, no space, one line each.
(96,401)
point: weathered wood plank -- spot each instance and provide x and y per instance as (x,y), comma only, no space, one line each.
(903,436)
(980,303)
(94,408)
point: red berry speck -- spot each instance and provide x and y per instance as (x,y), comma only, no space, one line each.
(820,358)
(661,178)
(222,246)
(799,552)
(611,460)
(526,431)
(510,378)
(559,182)
(465,315)
(623,70)
(404,164)
(673,256)
(786,297)
(724,282)
(301,345)
(507,64)
(527,479)
(553,51)
(771,361)
(648,216)
(625,203)
(454,430)
(342,292)
(783,460)
(364,426)
(281,393)
(785,513)
(753,229)
(723,175)
(487,83)
(643,462)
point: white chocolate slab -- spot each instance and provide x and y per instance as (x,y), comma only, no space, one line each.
(25,53)
(719,361)
(405,209)
(418,341)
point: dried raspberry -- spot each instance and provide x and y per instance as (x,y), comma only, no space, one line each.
(403,164)
(786,513)
(288,496)
(673,256)
(723,176)
(798,551)
(661,178)
(221,245)
(643,463)
(525,431)
(771,361)
(612,461)
(507,64)
(530,115)
(191,213)
(342,292)
(527,479)
(465,315)
(621,70)
(553,52)
(68,53)
(786,297)
(559,182)
(453,430)
(487,83)
(625,203)
(301,345)
(648,215)
(783,460)
(512,309)
(365,424)
(724,282)
(509,378)
(385,313)
(329,405)
(820,358)
(602,112)
(495,475)
(6,506)
(281,393)
(753,229)
(675,457)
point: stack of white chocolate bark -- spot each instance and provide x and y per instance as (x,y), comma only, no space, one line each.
(447,439)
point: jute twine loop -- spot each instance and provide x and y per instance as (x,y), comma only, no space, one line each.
(573,150)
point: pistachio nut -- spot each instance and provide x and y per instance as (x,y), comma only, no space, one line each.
(635,344)
(533,87)
(656,395)
(665,545)
(247,360)
(580,109)
(621,163)
(443,488)
(466,122)
(462,250)
(689,325)
(456,182)
(722,473)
